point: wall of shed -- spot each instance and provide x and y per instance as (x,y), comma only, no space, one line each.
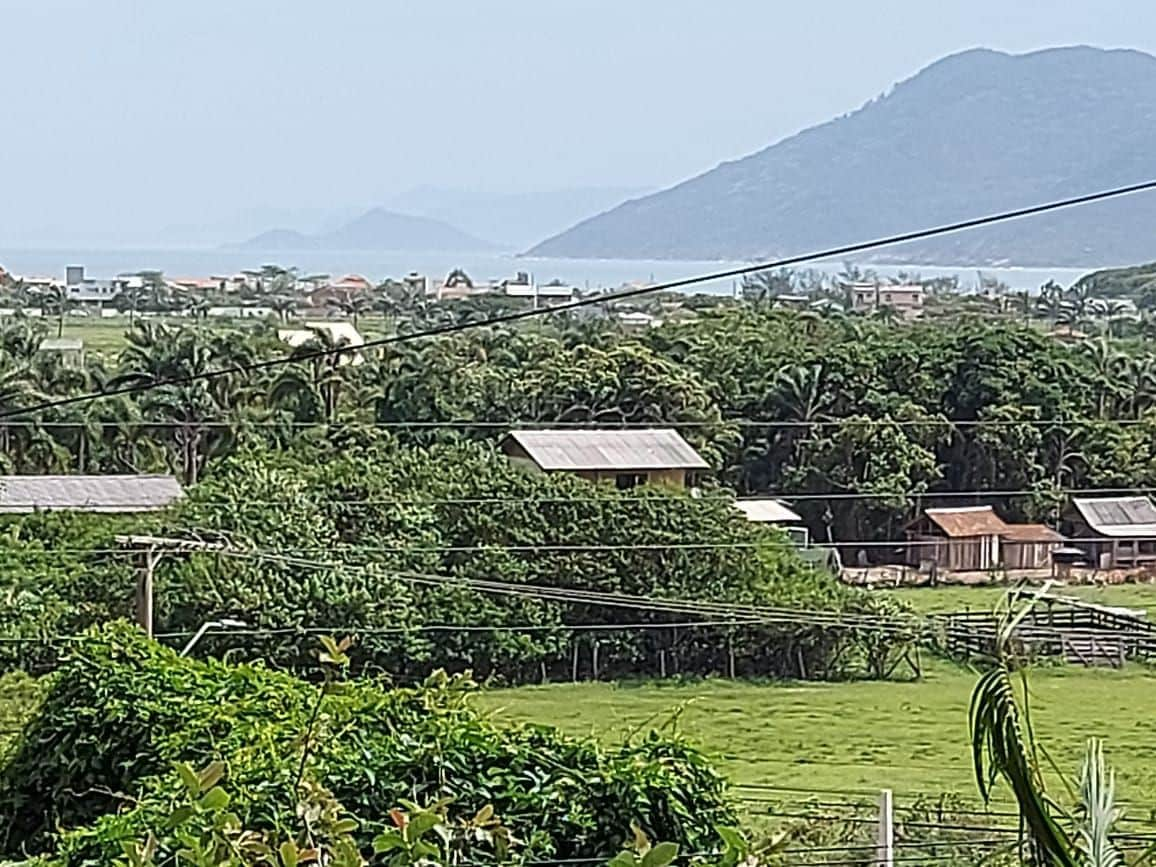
(1027,555)
(967,554)
(670,478)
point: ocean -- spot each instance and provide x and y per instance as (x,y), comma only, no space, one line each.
(585,273)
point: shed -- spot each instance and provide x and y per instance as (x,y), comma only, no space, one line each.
(1120,531)
(625,457)
(963,539)
(69,349)
(127,493)
(1029,546)
(775,512)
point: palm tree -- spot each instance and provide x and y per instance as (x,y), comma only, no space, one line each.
(353,307)
(283,306)
(55,301)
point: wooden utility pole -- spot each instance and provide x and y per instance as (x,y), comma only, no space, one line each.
(154,548)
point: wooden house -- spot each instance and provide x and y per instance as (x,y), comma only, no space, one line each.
(964,539)
(624,457)
(1116,532)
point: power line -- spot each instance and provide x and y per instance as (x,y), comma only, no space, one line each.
(521,424)
(519,315)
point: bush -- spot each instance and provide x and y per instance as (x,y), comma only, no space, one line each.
(95,767)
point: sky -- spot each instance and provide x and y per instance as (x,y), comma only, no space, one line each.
(135,122)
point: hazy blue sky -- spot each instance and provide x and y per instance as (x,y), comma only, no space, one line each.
(122,119)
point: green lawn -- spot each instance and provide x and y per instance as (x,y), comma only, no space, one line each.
(957,598)
(860,737)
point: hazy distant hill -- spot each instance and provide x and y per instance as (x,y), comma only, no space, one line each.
(973,133)
(516,219)
(376,229)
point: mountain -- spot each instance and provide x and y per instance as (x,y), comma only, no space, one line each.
(974,133)
(517,219)
(376,229)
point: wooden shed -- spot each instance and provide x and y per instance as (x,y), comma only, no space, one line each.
(1029,546)
(1117,532)
(965,539)
(624,457)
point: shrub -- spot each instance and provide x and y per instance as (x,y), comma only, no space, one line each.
(97,760)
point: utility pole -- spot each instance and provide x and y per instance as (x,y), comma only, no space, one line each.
(154,548)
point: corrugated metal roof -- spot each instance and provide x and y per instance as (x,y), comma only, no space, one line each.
(61,344)
(1123,517)
(20,494)
(767,511)
(1031,533)
(654,449)
(968,521)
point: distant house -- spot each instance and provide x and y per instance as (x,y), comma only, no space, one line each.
(1118,532)
(965,539)
(906,299)
(86,290)
(775,512)
(241,311)
(69,349)
(144,493)
(523,286)
(625,457)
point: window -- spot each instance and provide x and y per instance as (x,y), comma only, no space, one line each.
(626,481)
(886,297)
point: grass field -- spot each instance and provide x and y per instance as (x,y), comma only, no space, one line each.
(855,738)
(956,598)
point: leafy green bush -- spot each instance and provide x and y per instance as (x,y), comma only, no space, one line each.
(97,761)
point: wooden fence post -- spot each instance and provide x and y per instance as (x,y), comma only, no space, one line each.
(885,841)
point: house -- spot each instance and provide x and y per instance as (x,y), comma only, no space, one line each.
(965,539)
(775,512)
(1117,532)
(625,457)
(240,311)
(905,299)
(143,493)
(86,290)
(338,333)
(637,320)
(69,349)
(1029,546)
(523,286)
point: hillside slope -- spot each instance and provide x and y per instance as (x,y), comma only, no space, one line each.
(376,229)
(973,133)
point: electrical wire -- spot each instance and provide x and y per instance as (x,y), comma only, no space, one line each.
(520,315)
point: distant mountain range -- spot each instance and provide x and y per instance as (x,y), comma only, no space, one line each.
(516,219)
(974,133)
(376,229)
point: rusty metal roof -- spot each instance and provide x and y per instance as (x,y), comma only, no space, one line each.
(1031,533)
(1120,517)
(575,450)
(144,493)
(968,521)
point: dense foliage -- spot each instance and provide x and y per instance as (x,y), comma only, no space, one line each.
(361,534)
(95,767)
(792,402)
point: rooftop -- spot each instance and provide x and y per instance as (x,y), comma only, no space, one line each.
(652,449)
(144,493)
(968,521)
(767,511)
(61,344)
(1122,517)
(1031,533)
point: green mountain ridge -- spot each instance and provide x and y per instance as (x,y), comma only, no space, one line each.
(971,134)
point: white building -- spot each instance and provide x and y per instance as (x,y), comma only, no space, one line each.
(86,290)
